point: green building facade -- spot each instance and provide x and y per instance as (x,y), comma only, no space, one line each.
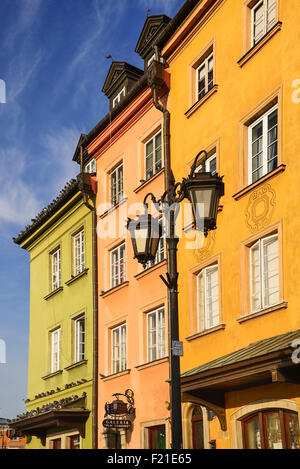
(60,371)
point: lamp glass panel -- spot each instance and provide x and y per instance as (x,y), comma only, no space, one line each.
(141,239)
(202,197)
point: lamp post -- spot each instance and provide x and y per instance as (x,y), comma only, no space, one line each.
(200,188)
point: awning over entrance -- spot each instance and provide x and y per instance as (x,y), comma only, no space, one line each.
(263,362)
(66,413)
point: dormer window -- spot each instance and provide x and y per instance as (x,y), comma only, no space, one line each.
(90,167)
(118,98)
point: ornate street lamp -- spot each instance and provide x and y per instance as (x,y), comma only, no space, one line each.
(203,190)
(145,233)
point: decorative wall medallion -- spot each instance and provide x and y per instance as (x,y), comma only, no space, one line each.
(260,208)
(205,246)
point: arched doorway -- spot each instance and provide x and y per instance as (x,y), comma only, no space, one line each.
(197,428)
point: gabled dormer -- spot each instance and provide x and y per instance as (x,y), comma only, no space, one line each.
(153,26)
(120,79)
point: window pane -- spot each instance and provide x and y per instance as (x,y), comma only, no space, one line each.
(271,14)
(293,430)
(253,434)
(158,152)
(258,25)
(271,271)
(273,430)
(255,278)
(212,297)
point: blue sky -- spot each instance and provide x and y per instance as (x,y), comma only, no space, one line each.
(52,59)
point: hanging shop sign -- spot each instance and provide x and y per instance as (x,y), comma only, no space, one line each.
(119,411)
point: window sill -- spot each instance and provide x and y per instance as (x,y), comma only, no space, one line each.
(201,101)
(51,375)
(272,309)
(151,269)
(116,375)
(76,277)
(153,363)
(206,332)
(75,365)
(251,52)
(112,208)
(144,184)
(114,289)
(260,181)
(54,292)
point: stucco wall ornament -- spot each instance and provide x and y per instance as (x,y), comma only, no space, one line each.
(260,208)
(207,244)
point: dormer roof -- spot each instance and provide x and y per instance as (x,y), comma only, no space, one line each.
(152,28)
(118,73)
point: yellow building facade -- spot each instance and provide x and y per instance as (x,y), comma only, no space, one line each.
(235,92)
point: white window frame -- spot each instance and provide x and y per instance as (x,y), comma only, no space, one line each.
(207,164)
(264,120)
(158,350)
(55,350)
(56,269)
(78,257)
(205,64)
(154,162)
(119,349)
(79,356)
(91,166)
(117,193)
(202,316)
(260,243)
(266,25)
(118,97)
(116,277)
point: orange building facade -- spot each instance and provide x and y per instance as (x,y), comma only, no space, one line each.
(128,148)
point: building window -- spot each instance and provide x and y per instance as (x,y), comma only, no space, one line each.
(210,164)
(118,98)
(56,269)
(116,185)
(55,350)
(79,329)
(91,166)
(208,298)
(264,273)
(119,349)
(153,155)
(205,76)
(157,437)
(78,253)
(156,335)
(272,429)
(56,444)
(74,442)
(197,429)
(263,145)
(117,261)
(263,18)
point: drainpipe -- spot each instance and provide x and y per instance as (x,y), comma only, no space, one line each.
(156,81)
(85,194)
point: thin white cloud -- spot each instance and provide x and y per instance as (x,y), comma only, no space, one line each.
(23,73)
(59,149)
(18,202)
(26,14)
